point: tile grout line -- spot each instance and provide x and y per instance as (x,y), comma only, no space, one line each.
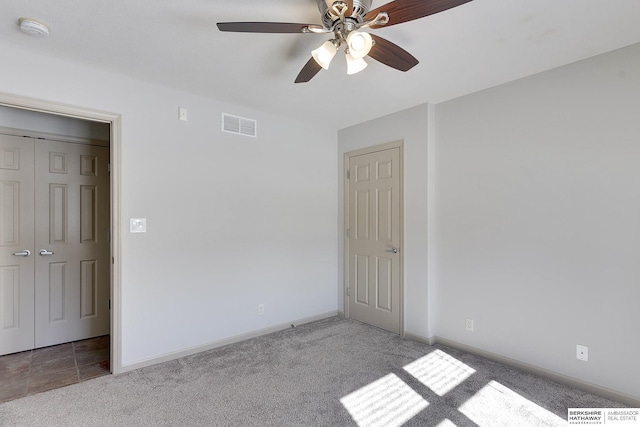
(77,349)
(28,386)
(75,359)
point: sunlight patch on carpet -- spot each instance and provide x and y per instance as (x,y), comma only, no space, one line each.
(496,404)
(446,423)
(387,402)
(439,371)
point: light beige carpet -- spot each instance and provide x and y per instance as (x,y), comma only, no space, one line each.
(330,373)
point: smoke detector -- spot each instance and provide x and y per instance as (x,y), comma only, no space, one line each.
(33,27)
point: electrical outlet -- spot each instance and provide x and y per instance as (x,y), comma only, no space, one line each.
(261,309)
(469,324)
(582,352)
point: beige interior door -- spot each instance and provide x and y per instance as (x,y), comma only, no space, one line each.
(375,239)
(16,244)
(71,242)
(54,242)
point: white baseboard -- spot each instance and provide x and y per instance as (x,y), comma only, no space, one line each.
(608,393)
(231,340)
(419,338)
(617,396)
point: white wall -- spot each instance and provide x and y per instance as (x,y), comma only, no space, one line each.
(536,198)
(232,221)
(409,126)
(538,219)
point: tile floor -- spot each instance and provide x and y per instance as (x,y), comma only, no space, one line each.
(34,371)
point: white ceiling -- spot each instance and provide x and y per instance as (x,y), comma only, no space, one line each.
(466,49)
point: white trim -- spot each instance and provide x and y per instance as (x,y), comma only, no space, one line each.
(226,341)
(115,120)
(345,241)
(605,392)
(418,338)
(347,156)
(375,149)
(431,217)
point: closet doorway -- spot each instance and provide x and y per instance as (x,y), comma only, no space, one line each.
(67,202)
(54,239)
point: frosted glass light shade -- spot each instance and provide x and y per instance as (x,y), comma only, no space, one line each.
(359,44)
(324,54)
(355,65)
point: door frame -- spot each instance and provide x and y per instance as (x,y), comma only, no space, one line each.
(115,144)
(347,158)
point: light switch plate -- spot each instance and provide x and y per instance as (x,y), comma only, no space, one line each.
(182,114)
(138,225)
(582,352)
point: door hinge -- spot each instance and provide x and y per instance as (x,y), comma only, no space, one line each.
(348,292)
(348,174)
(348,233)
(109,235)
(109,167)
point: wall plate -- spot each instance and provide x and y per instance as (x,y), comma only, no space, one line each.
(468,323)
(582,352)
(138,225)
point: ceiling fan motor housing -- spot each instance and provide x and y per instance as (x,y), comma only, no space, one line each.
(360,9)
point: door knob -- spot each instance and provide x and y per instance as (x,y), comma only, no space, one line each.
(394,250)
(44,252)
(26,252)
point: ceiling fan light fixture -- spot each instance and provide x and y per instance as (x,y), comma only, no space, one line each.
(359,44)
(355,65)
(347,20)
(324,54)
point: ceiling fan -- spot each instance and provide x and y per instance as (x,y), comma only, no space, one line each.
(346,19)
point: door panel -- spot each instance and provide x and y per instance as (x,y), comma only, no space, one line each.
(16,235)
(374,219)
(72,226)
(361,214)
(362,279)
(384,284)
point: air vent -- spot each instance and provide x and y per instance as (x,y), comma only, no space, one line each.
(239,125)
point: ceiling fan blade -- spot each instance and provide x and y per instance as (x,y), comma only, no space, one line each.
(310,69)
(407,10)
(267,27)
(349,7)
(391,54)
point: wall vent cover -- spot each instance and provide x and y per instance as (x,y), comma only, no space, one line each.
(239,125)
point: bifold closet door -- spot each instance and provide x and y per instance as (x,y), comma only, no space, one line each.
(16,244)
(54,242)
(72,251)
